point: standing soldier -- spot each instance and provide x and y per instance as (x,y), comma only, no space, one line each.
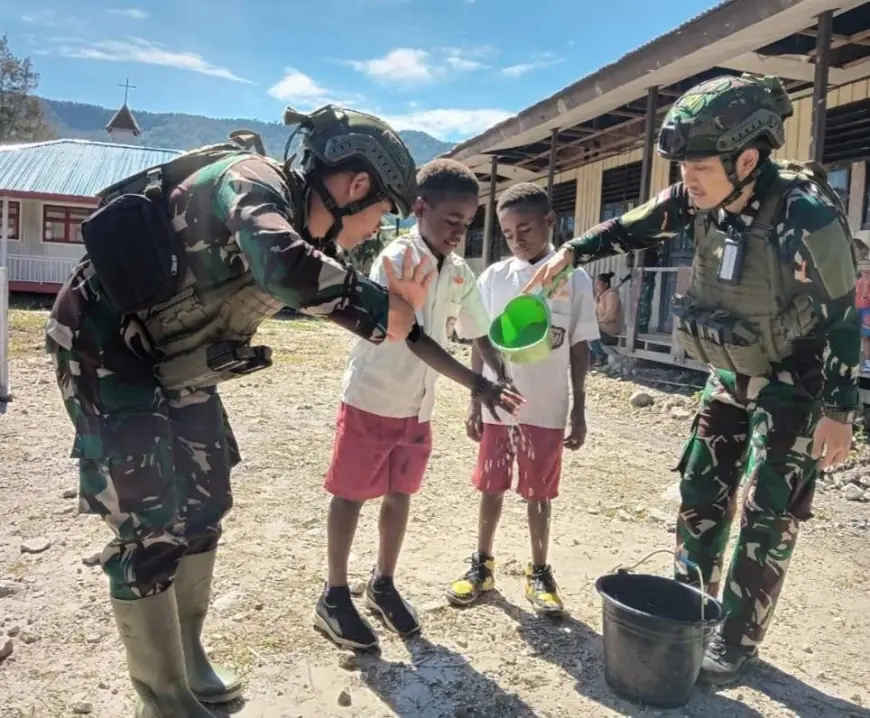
(771,310)
(184,263)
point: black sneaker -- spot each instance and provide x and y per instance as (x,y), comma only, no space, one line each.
(479,579)
(724,662)
(336,616)
(398,615)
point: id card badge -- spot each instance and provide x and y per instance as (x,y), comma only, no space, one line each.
(731,264)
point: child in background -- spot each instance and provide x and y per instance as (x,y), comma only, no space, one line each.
(383,437)
(536,438)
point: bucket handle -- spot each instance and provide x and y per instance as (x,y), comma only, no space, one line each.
(689,565)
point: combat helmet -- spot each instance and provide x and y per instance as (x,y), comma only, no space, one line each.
(723,117)
(333,136)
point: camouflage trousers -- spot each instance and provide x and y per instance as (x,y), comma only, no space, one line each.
(155,465)
(759,429)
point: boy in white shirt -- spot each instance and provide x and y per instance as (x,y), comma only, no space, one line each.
(383,438)
(537,435)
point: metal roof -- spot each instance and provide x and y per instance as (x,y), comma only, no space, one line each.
(74,168)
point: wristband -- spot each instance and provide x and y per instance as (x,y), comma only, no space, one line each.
(843,416)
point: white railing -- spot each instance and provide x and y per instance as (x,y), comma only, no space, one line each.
(40,270)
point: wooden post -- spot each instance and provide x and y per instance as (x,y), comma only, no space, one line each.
(820,88)
(4,308)
(646,167)
(489,218)
(551,175)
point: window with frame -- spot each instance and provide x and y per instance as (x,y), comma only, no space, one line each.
(63,224)
(840,179)
(620,190)
(14,226)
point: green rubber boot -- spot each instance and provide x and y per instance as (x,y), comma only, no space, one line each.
(151,635)
(193,578)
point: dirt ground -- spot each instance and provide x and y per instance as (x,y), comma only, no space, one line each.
(495,659)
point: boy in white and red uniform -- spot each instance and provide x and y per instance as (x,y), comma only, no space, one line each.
(534,439)
(383,437)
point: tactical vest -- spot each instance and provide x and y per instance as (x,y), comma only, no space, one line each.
(752,322)
(200,334)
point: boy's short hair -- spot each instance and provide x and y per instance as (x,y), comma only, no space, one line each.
(526,196)
(444,178)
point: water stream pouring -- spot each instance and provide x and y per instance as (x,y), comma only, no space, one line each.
(522,331)
(656,631)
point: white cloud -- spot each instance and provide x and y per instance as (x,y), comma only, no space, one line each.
(537,62)
(50,18)
(304,93)
(297,88)
(133,13)
(448,124)
(406,65)
(141,51)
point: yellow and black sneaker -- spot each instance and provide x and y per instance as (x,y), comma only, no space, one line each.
(478,579)
(542,591)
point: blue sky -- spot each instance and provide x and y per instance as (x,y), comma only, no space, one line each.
(448,67)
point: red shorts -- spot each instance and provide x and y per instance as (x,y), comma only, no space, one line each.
(375,455)
(538,455)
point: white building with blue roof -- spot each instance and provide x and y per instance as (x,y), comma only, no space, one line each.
(46,190)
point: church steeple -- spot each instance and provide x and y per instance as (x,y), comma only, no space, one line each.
(123,122)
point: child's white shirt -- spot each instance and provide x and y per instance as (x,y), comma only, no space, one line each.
(545,385)
(387,379)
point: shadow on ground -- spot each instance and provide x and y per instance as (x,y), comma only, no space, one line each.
(438,683)
(577,649)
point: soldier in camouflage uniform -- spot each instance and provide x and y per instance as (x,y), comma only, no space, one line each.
(242,236)
(771,310)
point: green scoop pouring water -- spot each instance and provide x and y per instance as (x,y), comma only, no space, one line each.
(522,331)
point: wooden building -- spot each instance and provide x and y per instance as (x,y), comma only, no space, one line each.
(593,143)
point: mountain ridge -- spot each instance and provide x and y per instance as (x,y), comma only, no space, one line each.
(181,131)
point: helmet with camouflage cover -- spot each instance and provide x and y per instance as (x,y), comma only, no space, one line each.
(724,116)
(333,136)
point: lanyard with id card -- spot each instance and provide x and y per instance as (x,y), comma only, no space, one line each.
(731,263)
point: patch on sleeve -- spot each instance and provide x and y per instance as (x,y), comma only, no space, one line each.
(829,253)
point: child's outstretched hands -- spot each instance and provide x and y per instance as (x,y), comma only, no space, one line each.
(492,395)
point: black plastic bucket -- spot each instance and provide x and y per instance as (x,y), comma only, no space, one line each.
(654,638)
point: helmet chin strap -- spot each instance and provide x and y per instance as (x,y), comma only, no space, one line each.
(729,162)
(338,213)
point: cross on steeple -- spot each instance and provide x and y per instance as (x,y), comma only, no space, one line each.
(123,123)
(127,87)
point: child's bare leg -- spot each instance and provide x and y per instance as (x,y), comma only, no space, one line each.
(381,593)
(487,522)
(341,526)
(392,525)
(539,530)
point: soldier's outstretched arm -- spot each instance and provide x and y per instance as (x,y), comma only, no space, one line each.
(661,218)
(823,259)
(250,199)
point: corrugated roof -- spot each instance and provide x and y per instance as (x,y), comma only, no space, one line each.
(77,168)
(541,104)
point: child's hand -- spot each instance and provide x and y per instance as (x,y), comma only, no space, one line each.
(577,437)
(501,395)
(474,422)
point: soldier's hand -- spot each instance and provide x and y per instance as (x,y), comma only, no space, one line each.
(413,285)
(832,441)
(547,272)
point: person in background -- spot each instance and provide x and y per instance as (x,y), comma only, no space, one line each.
(862,303)
(536,437)
(383,437)
(608,310)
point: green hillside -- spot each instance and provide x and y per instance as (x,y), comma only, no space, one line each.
(179,131)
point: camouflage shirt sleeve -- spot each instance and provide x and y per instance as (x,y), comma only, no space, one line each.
(663,217)
(251,198)
(814,238)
